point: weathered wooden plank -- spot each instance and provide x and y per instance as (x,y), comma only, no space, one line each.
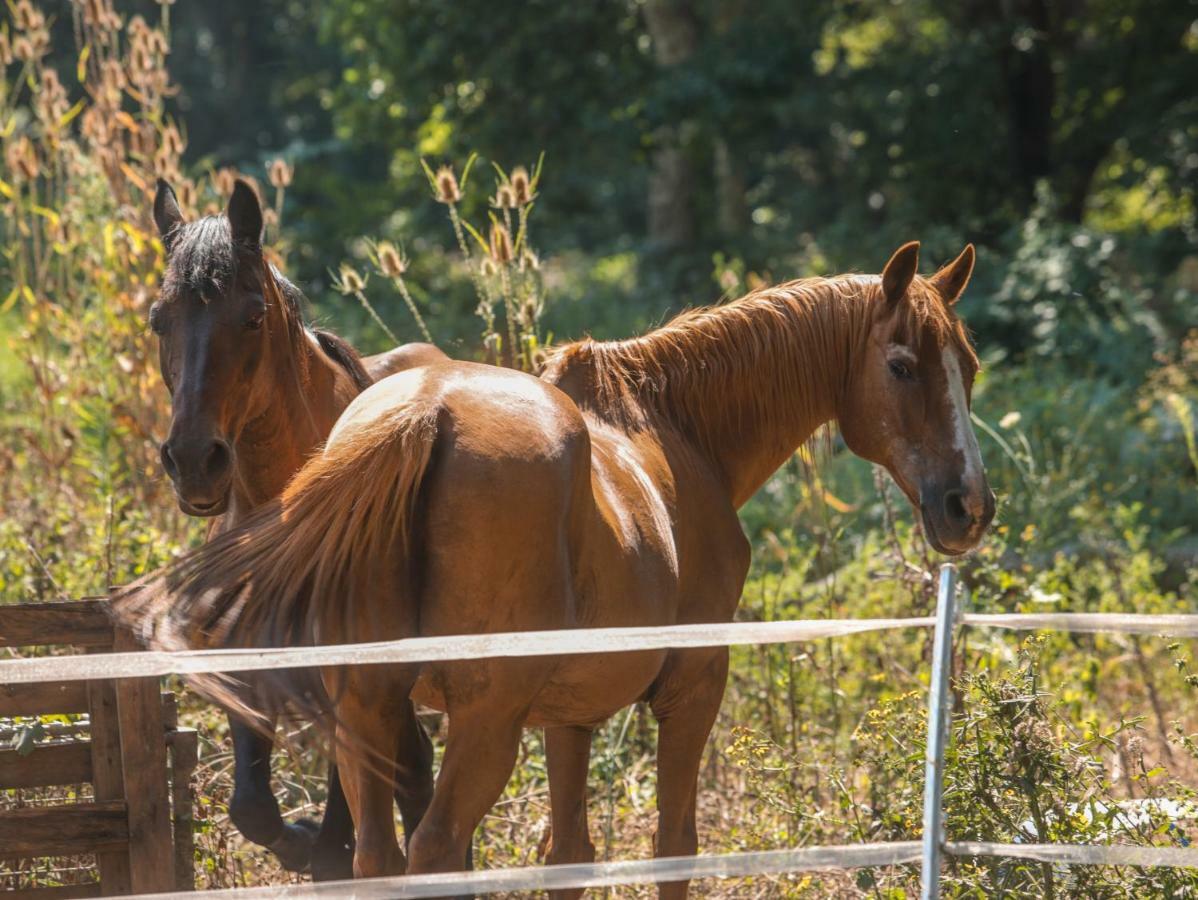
(40,699)
(185,754)
(108,781)
(143,762)
(48,764)
(63,830)
(83,623)
(60,892)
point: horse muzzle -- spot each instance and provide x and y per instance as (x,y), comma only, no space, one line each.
(956,518)
(202,472)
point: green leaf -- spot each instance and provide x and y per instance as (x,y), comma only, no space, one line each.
(466,170)
(473,232)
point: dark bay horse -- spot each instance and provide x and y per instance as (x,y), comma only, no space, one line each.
(254,394)
(460,498)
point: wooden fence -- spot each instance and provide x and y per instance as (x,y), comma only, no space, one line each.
(137,821)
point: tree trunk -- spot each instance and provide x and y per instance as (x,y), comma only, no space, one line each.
(1031,90)
(731,207)
(675,35)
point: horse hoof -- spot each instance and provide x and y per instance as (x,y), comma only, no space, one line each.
(294,846)
(332,863)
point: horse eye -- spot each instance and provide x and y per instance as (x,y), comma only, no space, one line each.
(254,322)
(900,370)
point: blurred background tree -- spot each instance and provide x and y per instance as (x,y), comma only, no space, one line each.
(791,138)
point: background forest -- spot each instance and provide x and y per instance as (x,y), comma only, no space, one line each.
(692,149)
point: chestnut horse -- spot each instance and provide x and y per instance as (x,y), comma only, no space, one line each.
(254,394)
(461,498)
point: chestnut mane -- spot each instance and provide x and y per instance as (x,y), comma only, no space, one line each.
(674,372)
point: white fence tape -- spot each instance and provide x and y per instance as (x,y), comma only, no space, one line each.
(1173,625)
(438,649)
(152,663)
(1081,854)
(649,871)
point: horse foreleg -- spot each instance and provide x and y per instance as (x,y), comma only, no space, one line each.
(253,808)
(685,701)
(567,757)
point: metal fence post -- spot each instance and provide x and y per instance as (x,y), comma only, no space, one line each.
(938,716)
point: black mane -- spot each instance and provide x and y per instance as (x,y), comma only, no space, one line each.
(204,259)
(343,353)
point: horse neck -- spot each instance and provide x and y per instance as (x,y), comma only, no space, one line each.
(745,384)
(305,393)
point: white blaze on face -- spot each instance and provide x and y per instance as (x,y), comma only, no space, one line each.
(965,441)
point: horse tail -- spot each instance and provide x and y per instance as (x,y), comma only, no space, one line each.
(306,569)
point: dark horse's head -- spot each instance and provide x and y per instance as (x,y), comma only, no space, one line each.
(222,325)
(906,406)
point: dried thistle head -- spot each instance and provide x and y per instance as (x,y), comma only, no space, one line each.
(505,197)
(349,280)
(112,77)
(521,186)
(185,193)
(39,40)
(21,158)
(138,27)
(166,166)
(501,243)
(51,103)
(280,173)
(22,49)
(390,261)
(141,63)
(95,13)
(224,179)
(447,186)
(529,312)
(529,261)
(27,17)
(157,43)
(172,141)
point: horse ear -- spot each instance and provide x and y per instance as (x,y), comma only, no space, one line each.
(897,275)
(952,279)
(245,214)
(167,215)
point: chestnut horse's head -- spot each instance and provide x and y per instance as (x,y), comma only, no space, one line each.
(215,316)
(907,402)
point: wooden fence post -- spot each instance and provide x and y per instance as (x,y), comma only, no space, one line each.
(139,712)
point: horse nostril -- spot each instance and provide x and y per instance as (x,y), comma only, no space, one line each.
(954,508)
(216,463)
(168,461)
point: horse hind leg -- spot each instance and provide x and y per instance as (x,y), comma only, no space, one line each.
(370,713)
(413,771)
(480,753)
(253,808)
(685,701)
(567,757)
(333,853)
